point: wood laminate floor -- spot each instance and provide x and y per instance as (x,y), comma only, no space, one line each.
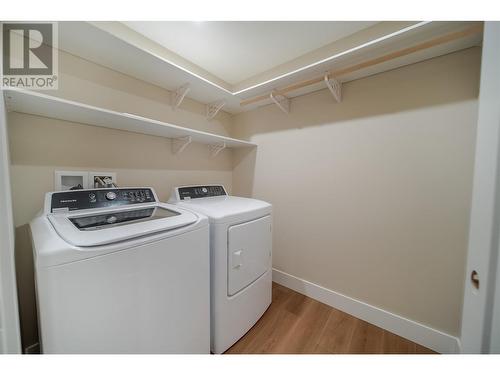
(296,324)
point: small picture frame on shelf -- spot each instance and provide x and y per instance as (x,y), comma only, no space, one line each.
(70,180)
(100,180)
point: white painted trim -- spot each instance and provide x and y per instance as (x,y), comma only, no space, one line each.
(480,323)
(421,334)
(10,336)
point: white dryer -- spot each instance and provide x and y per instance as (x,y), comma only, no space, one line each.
(119,272)
(241,257)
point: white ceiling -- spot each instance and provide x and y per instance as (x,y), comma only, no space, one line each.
(236,51)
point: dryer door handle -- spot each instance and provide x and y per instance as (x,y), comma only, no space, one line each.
(237,259)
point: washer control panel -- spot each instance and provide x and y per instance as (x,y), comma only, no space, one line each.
(193,192)
(83,199)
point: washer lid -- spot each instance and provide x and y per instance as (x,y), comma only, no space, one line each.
(228,208)
(105,226)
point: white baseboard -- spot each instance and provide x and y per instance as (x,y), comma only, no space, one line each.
(426,336)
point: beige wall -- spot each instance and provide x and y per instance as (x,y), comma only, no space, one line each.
(372,195)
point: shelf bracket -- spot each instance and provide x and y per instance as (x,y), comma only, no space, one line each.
(281,101)
(334,86)
(216,148)
(179,144)
(214,108)
(177,96)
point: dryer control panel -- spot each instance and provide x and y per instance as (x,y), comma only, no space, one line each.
(193,192)
(97,198)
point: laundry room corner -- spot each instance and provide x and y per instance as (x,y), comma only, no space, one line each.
(179,190)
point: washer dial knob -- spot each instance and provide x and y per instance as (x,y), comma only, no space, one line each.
(110,195)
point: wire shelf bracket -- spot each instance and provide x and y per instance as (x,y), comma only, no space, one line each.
(334,86)
(216,148)
(177,96)
(281,101)
(214,108)
(180,144)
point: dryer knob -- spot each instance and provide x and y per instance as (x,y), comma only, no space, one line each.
(110,195)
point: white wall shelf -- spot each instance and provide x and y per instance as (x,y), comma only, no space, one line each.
(35,103)
(114,45)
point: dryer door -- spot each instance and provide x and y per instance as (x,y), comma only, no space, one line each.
(249,253)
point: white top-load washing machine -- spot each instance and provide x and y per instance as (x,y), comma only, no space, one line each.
(241,251)
(119,272)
